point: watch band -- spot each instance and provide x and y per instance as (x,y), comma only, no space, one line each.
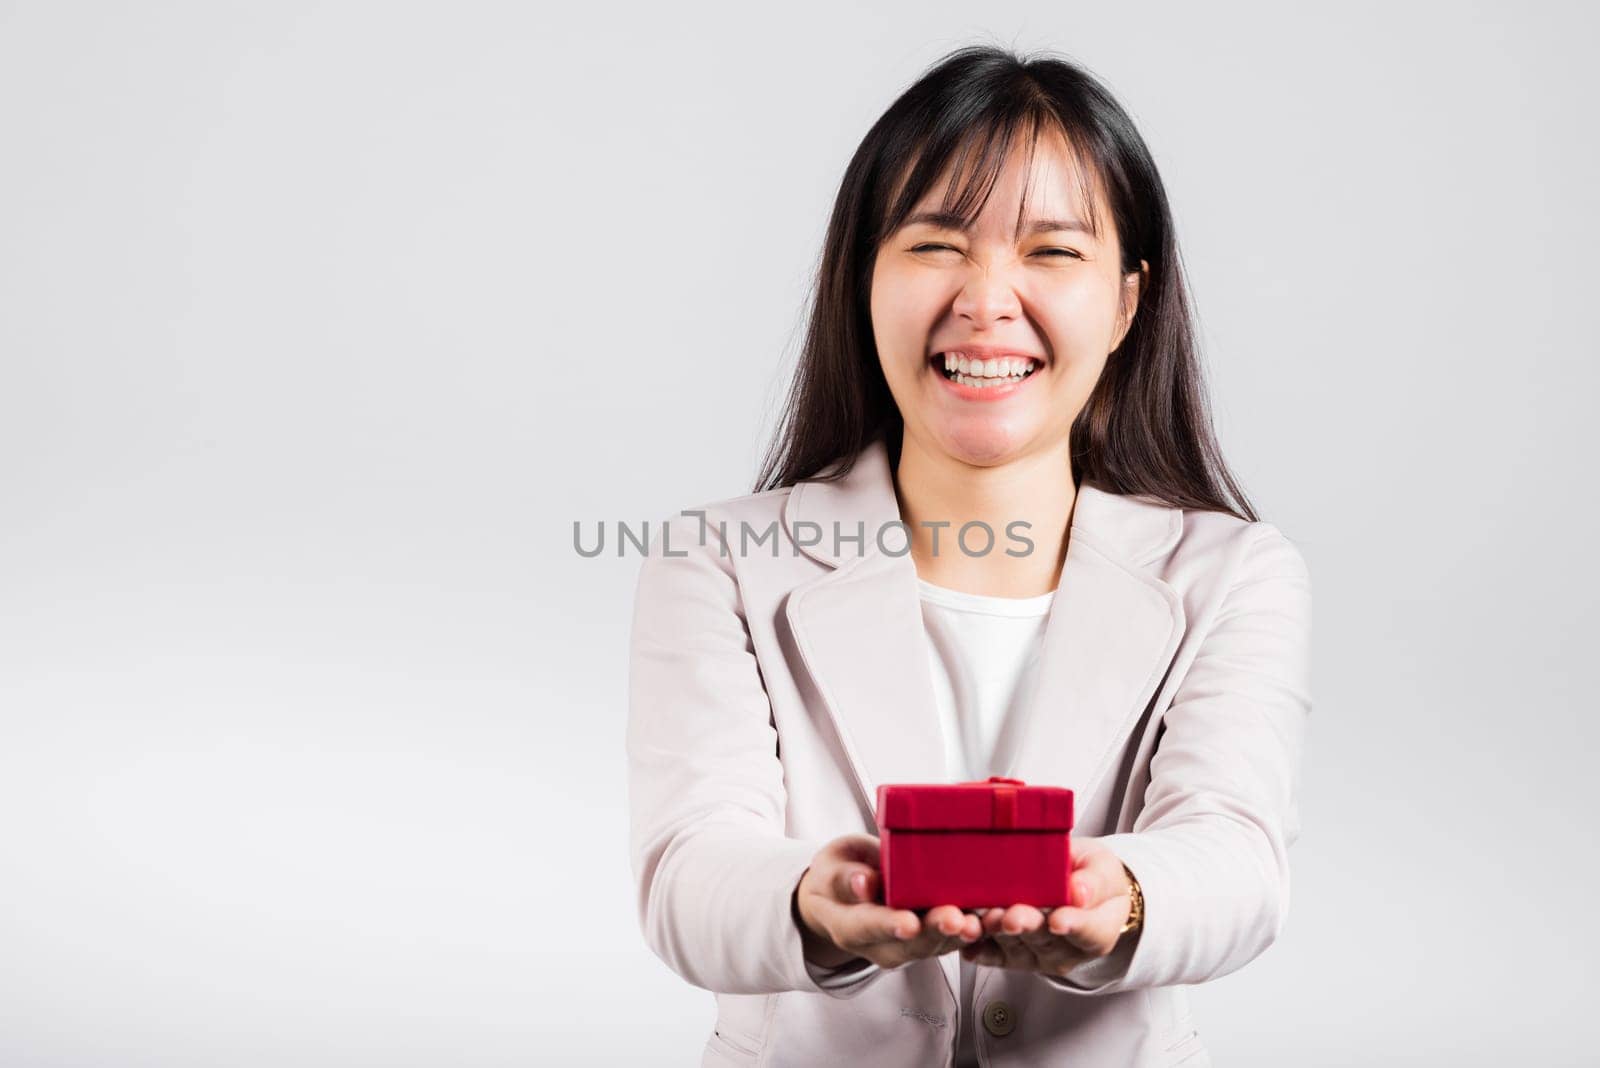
(1136,905)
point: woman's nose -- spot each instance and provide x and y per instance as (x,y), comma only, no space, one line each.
(988,295)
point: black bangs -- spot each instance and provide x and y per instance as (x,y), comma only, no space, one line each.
(974,153)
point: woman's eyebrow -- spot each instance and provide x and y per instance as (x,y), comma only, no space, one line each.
(949,220)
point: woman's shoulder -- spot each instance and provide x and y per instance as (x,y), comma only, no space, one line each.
(720,521)
(1147,528)
(1244,549)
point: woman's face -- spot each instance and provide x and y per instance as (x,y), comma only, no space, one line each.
(1052,295)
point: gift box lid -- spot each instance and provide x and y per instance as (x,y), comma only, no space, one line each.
(995,803)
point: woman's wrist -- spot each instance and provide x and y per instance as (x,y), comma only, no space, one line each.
(1135,905)
(815,948)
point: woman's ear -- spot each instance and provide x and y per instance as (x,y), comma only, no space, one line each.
(1132,289)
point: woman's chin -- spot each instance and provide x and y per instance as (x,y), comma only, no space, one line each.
(985,445)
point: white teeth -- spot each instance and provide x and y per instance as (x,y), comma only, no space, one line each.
(997,371)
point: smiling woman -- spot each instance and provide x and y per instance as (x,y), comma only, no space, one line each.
(1001,339)
(994,179)
(1046,291)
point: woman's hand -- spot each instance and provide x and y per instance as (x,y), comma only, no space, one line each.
(1057,940)
(835,906)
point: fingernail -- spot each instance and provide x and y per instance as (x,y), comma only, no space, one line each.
(858,884)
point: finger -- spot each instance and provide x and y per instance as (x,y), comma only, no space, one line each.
(970,928)
(1086,891)
(864,925)
(1065,918)
(953,926)
(1019,919)
(951,921)
(1035,933)
(1094,931)
(855,882)
(991,920)
(931,939)
(966,928)
(1097,876)
(944,932)
(860,848)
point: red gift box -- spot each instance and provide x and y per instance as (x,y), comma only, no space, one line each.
(993,843)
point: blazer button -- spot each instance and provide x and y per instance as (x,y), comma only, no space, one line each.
(998,1019)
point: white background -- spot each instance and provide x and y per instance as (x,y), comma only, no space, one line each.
(321,325)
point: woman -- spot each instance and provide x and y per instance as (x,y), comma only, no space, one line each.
(1001,342)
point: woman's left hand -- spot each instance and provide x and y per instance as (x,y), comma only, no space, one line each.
(1057,940)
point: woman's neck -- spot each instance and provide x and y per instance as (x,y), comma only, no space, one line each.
(1036,489)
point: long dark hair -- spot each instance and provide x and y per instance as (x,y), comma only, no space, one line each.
(1146,428)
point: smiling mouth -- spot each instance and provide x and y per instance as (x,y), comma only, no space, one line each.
(981,374)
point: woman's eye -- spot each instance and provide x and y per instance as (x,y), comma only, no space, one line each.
(1060,252)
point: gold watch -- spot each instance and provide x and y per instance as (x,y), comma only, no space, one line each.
(1136,907)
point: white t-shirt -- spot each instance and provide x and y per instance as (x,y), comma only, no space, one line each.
(984,654)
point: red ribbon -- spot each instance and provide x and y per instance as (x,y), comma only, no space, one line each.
(1005,807)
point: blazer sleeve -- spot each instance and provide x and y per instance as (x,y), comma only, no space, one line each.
(713,868)
(858,972)
(1210,847)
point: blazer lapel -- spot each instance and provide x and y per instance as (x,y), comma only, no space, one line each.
(859,629)
(1112,631)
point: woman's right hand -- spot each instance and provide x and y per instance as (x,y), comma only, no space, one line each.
(836,909)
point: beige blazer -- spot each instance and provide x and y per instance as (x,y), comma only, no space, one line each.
(772,689)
